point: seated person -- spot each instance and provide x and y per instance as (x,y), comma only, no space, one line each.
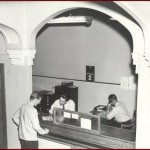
(109,108)
(63,103)
(118,111)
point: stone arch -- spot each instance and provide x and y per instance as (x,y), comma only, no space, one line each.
(43,22)
(13,47)
(133,28)
(137,31)
(145,55)
(11,37)
(3,44)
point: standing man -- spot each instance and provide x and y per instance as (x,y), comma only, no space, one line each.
(118,111)
(26,118)
(63,103)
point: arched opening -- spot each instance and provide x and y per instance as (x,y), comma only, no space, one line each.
(78,46)
(45,78)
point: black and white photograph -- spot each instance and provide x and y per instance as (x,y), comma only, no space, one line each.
(74,74)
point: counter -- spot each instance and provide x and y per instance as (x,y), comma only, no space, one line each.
(109,137)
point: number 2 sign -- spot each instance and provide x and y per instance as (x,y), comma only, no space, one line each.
(90,73)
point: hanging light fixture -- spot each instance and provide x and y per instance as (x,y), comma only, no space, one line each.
(71,19)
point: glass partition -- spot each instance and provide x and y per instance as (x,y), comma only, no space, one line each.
(81,121)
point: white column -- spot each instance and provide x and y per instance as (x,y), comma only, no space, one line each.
(18,79)
(143,105)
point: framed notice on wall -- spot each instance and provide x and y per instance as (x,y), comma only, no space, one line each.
(90,73)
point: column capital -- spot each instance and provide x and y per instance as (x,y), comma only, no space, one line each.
(21,57)
(141,61)
(135,57)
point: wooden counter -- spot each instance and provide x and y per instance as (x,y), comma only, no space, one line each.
(110,137)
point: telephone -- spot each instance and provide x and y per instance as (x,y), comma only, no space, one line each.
(98,109)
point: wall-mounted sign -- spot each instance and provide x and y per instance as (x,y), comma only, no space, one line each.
(90,73)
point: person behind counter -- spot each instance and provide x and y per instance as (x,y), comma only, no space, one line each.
(63,103)
(118,111)
(26,118)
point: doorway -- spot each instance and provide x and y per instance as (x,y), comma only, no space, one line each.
(3,128)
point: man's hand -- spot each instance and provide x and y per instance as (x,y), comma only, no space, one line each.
(46,131)
(103,114)
(47,118)
(110,108)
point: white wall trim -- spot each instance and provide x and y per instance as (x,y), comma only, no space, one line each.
(21,57)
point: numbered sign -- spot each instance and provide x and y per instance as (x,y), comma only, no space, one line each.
(90,73)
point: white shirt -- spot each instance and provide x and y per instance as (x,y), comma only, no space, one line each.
(119,112)
(70,105)
(27,119)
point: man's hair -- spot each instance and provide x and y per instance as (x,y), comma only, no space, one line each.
(64,97)
(35,95)
(112,97)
